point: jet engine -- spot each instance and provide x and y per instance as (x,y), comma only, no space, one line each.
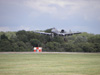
(62,31)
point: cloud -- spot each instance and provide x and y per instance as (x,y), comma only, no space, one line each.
(88,9)
(23,27)
(42,14)
(64,8)
(4,29)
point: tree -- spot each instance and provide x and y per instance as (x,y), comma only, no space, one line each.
(80,39)
(29,46)
(97,47)
(69,47)
(35,42)
(21,46)
(3,36)
(58,39)
(22,35)
(53,46)
(94,39)
(5,45)
(86,47)
(26,40)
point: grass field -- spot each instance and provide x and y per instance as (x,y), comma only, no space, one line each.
(50,64)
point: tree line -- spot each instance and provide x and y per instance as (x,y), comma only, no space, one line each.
(25,41)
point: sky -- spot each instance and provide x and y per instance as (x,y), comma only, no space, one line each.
(30,15)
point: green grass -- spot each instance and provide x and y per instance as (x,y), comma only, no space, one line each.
(50,64)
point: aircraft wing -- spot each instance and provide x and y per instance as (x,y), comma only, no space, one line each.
(44,33)
(68,34)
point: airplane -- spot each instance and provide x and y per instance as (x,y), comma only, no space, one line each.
(55,32)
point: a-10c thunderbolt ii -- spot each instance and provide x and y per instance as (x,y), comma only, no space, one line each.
(55,32)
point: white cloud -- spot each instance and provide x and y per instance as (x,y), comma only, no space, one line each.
(88,9)
(4,29)
(66,8)
(23,27)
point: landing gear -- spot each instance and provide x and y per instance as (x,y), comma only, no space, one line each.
(65,39)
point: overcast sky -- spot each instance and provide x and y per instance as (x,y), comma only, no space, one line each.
(75,15)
